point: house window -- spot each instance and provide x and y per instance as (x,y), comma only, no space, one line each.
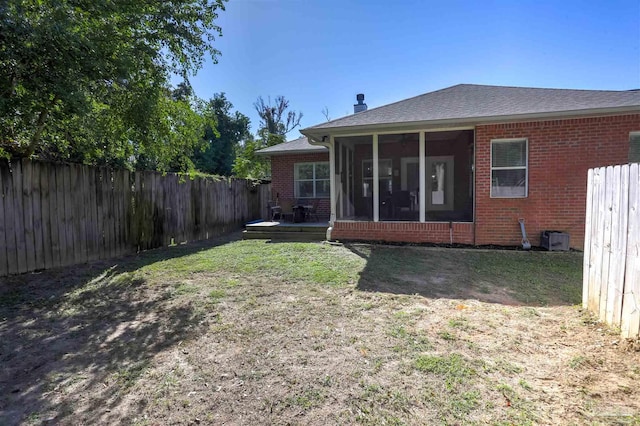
(311,180)
(634,147)
(509,174)
(386,177)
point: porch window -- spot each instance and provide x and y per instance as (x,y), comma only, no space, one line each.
(509,172)
(386,177)
(311,180)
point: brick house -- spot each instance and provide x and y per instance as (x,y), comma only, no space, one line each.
(461,164)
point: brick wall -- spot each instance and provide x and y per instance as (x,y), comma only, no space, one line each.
(282,177)
(560,154)
(410,232)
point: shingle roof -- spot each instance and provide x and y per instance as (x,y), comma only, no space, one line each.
(469,102)
(292,147)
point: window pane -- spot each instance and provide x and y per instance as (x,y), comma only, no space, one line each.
(367,169)
(323,188)
(508,183)
(509,154)
(634,148)
(322,171)
(304,171)
(384,168)
(304,189)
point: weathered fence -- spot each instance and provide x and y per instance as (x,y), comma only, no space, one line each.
(55,214)
(611,272)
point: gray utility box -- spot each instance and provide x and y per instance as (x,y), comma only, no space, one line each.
(554,240)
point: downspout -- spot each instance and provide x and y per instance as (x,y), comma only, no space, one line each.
(423,178)
(332,185)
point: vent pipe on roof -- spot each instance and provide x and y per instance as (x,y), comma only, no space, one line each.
(360,106)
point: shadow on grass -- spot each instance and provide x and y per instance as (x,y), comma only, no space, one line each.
(91,327)
(493,276)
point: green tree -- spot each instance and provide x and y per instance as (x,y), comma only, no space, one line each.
(219,153)
(247,163)
(88,80)
(276,120)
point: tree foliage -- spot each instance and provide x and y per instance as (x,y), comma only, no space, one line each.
(276,120)
(88,80)
(222,141)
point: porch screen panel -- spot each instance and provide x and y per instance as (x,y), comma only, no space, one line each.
(399,168)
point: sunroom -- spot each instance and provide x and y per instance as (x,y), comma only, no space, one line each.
(402,176)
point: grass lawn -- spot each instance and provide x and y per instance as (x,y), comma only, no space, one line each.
(249,332)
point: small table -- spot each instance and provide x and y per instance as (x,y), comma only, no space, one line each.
(300,212)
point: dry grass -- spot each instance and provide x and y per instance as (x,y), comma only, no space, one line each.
(246,332)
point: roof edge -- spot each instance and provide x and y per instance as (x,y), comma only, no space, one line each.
(297,151)
(311,132)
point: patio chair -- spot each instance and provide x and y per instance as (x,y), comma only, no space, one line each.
(286,209)
(274,211)
(313,210)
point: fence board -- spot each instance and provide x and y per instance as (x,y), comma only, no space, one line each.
(81,201)
(606,244)
(70,217)
(54,216)
(160,199)
(619,249)
(45,215)
(62,213)
(117,213)
(107,188)
(153,193)
(135,212)
(586,265)
(9,219)
(77,208)
(164,193)
(596,241)
(27,206)
(88,174)
(146,211)
(36,199)
(630,320)
(126,179)
(100,212)
(21,243)
(3,244)
(613,283)
(122,221)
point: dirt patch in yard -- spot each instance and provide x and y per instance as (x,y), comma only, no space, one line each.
(247,332)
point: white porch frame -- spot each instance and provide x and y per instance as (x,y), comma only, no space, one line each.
(376,184)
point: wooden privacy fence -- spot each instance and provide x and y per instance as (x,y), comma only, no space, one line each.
(611,272)
(55,214)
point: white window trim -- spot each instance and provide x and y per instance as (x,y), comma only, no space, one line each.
(314,179)
(525,167)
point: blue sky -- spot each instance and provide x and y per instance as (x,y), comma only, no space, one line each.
(321,53)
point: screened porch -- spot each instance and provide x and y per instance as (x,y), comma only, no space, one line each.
(416,177)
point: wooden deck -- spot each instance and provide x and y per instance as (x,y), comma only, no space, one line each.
(286,231)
